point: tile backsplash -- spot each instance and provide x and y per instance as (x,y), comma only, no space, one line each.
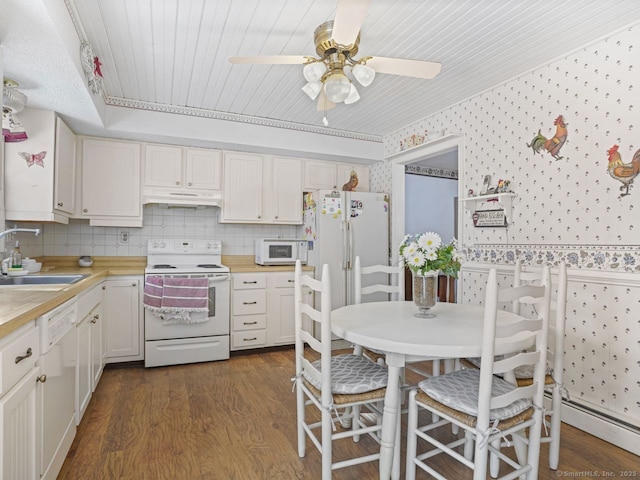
(79,238)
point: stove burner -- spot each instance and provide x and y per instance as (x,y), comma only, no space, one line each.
(162,265)
(208,265)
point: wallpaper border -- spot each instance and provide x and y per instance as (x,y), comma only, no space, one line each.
(594,257)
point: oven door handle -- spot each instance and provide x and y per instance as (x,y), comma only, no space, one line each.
(220,278)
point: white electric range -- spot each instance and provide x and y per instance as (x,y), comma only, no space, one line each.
(180,343)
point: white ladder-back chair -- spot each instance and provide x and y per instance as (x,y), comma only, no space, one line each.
(395,288)
(332,387)
(555,354)
(483,405)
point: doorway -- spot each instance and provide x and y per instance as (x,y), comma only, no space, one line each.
(447,151)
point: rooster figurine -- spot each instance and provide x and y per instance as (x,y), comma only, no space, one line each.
(552,145)
(623,172)
(351,185)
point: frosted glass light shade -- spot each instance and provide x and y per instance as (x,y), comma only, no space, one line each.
(363,74)
(314,71)
(312,89)
(353,96)
(337,87)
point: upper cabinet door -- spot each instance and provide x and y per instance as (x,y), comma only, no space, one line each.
(203,169)
(64,190)
(319,175)
(243,186)
(163,166)
(111,179)
(285,195)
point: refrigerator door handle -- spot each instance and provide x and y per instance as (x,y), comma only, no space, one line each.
(345,245)
(350,251)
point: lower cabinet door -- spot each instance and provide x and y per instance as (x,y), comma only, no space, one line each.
(20,432)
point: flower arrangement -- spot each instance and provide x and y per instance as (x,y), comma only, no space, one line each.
(425,252)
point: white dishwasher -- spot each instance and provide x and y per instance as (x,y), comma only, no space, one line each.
(57,395)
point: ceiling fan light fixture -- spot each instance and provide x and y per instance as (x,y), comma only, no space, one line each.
(314,71)
(353,96)
(337,86)
(363,74)
(312,89)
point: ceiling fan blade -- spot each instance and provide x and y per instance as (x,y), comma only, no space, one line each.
(324,103)
(271,59)
(349,17)
(406,67)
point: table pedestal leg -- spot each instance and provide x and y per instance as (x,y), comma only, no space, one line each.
(395,363)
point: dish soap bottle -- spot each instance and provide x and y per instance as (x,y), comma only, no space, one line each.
(16,257)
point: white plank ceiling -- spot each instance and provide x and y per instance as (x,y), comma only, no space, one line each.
(158,53)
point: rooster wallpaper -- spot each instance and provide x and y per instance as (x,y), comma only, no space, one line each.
(574,205)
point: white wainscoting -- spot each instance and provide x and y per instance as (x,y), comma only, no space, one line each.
(602,348)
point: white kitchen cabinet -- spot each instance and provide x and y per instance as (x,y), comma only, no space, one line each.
(248,310)
(173,173)
(90,354)
(262,310)
(84,370)
(111,193)
(319,175)
(261,189)
(123,316)
(40,173)
(19,446)
(280,308)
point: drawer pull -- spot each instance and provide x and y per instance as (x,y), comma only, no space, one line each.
(249,303)
(291,281)
(249,283)
(19,358)
(250,339)
(249,323)
(42,378)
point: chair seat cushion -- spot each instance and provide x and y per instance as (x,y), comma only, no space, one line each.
(523,371)
(459,390)
(351,374)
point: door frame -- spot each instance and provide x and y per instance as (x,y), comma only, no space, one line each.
(398,161)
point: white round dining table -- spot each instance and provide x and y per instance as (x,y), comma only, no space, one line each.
(454,332)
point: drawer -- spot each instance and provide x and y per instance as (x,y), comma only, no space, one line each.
(249,322)
(246,281)
(26,350)
(281,280)
(249,302)
(251,338)
(88,300)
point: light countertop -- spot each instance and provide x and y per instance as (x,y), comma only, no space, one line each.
(20,304)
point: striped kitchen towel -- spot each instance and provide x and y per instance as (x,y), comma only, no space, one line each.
(173,300)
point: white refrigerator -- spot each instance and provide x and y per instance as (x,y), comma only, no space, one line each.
(339,226)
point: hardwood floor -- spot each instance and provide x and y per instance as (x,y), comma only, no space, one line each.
(236,420)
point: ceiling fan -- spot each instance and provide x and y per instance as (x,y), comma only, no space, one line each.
(337,45)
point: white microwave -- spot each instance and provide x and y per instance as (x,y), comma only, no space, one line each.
(279,251)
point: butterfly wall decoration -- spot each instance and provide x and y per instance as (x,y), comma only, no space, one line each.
(35,159)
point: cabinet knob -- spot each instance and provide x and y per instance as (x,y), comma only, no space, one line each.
(134,284)
(276,217)
(190,184)
(85,210)
(104,287)
(177,183)
(259,217)
(60,204)
(42,378)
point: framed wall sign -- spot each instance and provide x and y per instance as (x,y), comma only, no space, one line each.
(489,218)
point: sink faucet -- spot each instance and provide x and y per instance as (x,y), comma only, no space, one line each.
(35,231)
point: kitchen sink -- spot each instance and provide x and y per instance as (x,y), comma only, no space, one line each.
(41,279)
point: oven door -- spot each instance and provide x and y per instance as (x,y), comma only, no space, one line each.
(217,318)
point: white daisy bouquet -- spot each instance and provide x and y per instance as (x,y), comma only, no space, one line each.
(425,252)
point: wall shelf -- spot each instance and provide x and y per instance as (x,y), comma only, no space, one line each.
(505,200)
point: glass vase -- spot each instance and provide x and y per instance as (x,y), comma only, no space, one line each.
(425,292)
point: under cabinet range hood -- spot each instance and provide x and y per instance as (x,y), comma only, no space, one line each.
(182,200)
